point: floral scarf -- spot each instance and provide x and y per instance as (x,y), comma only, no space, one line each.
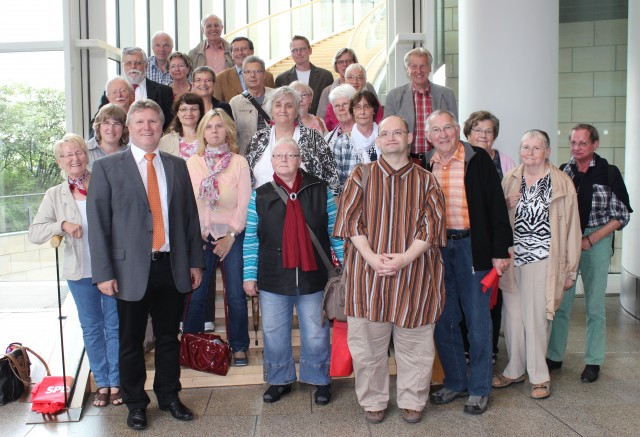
(209,189)
(78,183)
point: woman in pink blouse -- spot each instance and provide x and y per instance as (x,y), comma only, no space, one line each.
(222,185)
(181,138)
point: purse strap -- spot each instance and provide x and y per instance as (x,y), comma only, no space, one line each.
(312,235)
(247,95)
(23,372)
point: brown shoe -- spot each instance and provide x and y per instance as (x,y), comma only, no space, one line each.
(374,416)
(541,391)
(501,381)
(411,416)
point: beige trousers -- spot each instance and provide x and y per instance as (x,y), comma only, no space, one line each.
(525,324)
(414,352)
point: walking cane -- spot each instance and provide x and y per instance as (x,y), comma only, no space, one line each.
(55,243)
(255,307)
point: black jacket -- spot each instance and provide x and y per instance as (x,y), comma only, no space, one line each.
(491,233)
(270,208)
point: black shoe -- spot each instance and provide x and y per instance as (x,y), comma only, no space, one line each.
(590,373)
(178,410)
(274,393)
(323,394)
(137,418)
(553,365)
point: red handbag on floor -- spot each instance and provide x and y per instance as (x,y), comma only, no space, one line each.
(47,397)
(205,353)
(341,362)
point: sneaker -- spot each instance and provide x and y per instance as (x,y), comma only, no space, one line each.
(240,358)
(476,405)
(445,395)
(553,365)
(501,381)
(411,416)
(590,373)
(374,417)
(209,327)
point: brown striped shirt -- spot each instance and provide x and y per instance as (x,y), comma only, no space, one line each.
(400,207)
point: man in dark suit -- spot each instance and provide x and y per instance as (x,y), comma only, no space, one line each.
(134,66)
(304,71)
(231,82)
(146,251)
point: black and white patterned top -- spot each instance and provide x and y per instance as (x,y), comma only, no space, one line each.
(532,229)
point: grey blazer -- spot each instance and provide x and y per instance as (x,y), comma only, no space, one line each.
(319,79)
(121,226)
(400,102)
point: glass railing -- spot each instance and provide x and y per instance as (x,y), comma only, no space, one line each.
(316,20)
(369,41)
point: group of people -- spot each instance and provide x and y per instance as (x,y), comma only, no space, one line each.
(268,178)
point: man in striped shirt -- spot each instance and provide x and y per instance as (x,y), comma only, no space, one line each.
(394,229)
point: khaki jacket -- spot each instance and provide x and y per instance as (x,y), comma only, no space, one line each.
(565,249)
(58,206)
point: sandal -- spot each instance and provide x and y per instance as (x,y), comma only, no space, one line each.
(101,398)
(541,391)
(115,398)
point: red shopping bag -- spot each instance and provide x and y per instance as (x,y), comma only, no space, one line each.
(341,363)
(47,396)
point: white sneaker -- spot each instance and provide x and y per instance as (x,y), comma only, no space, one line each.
(209,327)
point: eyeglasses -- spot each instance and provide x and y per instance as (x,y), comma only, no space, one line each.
(185,110)
(304,95)
(478,131)
(579,143)
(299,50)
(535,149)
(250,72)
(77,154)
(177,66)
(134,63)
(202,80)
(345,62)
(119,91)
(285,156)
(362,107)
(112,123)
(240,49)
(356,78)
(385,135)
(437,131)
(341,106)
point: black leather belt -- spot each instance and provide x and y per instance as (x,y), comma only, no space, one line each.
(458,235)
(157,256)
(419,156)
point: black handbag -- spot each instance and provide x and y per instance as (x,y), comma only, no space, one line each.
(15,372)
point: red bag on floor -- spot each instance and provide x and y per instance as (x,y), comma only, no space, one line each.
(206,353)
(341,362)
(47,397)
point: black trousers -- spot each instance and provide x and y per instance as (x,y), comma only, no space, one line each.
(163,301)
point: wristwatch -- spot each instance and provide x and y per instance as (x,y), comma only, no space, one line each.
(232,233)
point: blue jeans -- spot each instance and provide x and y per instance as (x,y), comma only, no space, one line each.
(98,316)
(315,344)
(464,294)
(232,265)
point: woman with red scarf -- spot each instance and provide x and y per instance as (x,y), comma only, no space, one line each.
(282,263)
(222,186)
(63,211)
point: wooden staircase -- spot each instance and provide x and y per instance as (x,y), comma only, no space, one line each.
(322,55)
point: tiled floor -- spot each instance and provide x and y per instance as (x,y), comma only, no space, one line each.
(608,407)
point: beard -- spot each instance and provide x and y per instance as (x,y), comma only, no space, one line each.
(134,78)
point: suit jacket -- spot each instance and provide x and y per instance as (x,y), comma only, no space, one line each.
(319,79)
(246,117)
(400,102)
(121,225)
(198,58)
(228,84)
(161,94)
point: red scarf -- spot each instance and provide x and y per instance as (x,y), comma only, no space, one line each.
(78,184)
(297,249)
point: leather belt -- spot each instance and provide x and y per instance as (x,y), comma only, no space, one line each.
(458,235)
(157,256)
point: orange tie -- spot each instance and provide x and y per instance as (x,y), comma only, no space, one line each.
(153,194)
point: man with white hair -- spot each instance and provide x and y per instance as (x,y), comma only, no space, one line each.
(134,66)
(213,51)
(162,46)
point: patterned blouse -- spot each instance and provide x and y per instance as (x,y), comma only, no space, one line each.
(316,156)
(532,228)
